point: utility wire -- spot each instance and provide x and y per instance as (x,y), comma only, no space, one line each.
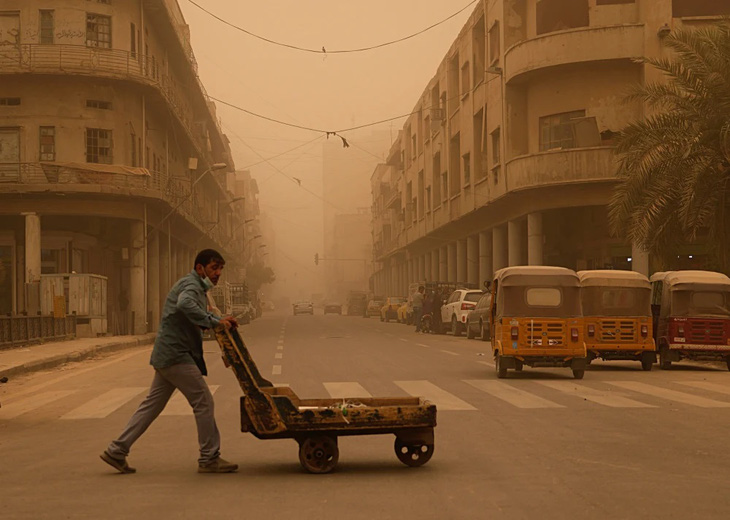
(323,50)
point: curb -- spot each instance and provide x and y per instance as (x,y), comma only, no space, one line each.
(76,355)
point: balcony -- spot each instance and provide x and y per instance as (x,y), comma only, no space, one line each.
(79,60)
(578,165)
(582,45)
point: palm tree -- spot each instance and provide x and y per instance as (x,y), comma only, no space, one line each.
(674,167)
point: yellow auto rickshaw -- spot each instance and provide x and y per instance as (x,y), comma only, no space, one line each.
(617,314)
(537,319)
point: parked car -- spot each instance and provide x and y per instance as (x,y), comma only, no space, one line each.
(389,311)
(333,308)
(303,307)
(374,307)
(454,311)
(477,320)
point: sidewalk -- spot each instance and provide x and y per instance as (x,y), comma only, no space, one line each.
(31,358)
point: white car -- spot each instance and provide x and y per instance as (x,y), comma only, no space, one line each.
(456,309)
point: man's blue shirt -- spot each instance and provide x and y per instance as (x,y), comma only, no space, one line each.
(184,315)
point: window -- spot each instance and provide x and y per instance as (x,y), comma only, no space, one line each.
(436,179)
(98,31)
(99,146)
(466,159)
(452,84)
(95,103)
(685,8)
(9,102)
(465,79)
(558,131)
(421,190)
(413,146)
(479,46)
(558,15)
(496,153)
(133,149)
(428,199)
(455,165)
(45,35)
(480,160)
(445,186)
(494,44)
(47,143)
(543,297)
(133,40)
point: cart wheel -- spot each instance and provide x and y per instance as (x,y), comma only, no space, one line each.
(319,453)
(578,374)
(413,454)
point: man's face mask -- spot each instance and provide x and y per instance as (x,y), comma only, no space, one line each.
(207,283)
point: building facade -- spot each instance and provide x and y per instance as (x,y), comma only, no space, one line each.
(112,160)
(509,157)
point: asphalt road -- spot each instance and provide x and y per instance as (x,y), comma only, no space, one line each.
(622,443)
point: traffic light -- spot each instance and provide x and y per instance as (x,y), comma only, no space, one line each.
(316,258)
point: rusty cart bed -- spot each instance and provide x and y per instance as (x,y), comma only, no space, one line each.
(270,412)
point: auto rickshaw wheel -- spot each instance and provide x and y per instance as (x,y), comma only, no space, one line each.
(501,371)
(727,360)
(413,454)
(519,365)
(578,374)
(319,453)
(664,362)
(647,361)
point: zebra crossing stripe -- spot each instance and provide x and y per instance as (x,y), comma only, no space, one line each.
(14,409)
(178,405)
(706,385)
(511,394)
(105,404)
(670,395)
(345,390)
(441,398)
(596,396)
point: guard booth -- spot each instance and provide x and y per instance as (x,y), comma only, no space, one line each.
(83,295)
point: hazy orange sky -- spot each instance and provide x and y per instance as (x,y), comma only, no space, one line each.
(323,91)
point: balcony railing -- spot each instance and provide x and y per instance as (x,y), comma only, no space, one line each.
(175,191)
(116,63)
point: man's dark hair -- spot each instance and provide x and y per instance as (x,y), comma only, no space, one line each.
(207,256)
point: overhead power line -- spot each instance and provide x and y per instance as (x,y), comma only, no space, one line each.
(323,50)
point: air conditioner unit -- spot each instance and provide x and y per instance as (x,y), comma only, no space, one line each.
(438,114)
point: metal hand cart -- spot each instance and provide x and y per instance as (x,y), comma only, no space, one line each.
(270,412)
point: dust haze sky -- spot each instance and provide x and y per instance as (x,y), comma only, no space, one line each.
(332,92)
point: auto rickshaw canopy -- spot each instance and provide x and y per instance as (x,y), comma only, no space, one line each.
(674,292)
(615,293)
(516,286)
(611,278)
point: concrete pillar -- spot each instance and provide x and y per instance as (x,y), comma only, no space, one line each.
(411,273)
(461,260)
(173,264)
(514,237)
(486,271)
(435,265)
(499,248)
(428,266)
(153,281)
(183,262)
(534,239)
(443,264)
(639,260)
(137,287)
(452,263)
(472,259)
(32,248)
(421,268)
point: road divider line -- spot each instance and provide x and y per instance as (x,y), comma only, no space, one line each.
(670,395)
(278,355)
(404,340)
(345,390)
(105,404)
(605,398)
(178,405)
(16,408)
(486,363)
(276,370)
(511,394)
(449,352)
(423,345)
(280,347)
(706,385)
(441,398)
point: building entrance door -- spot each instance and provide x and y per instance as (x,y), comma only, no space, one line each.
(6,279)
(9,154)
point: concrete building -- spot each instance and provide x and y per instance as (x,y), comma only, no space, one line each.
(112,160)
(508,157)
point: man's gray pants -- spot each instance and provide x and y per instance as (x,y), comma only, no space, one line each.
(190,382)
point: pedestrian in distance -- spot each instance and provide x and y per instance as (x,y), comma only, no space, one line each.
(417,300)
(177,358)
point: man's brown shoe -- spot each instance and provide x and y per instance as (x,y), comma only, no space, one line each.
(119,464)
(218,466)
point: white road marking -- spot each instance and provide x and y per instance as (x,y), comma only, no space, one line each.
(105,404)
(606,398)
(670,395)
(388,334)
(178,405)
(403,340)
(486,363)
(278,355)
(705,385)
(441,398)
(423,345)
(345,390)
(280,347)
(17,408)
(512,394)
(276,370)
(449,352)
